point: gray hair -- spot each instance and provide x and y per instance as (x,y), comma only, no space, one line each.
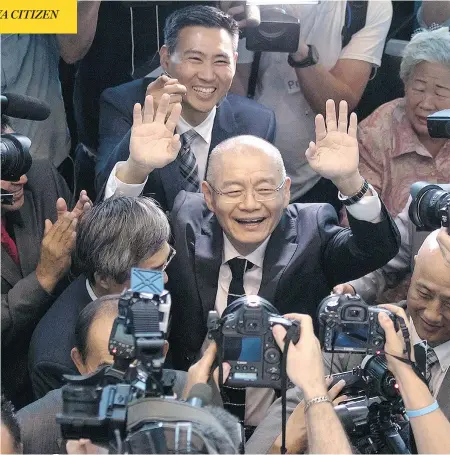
(243,144)
(431,46)
(118,234)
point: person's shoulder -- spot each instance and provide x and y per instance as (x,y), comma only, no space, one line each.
(129,89)
(378,9)
(189,205)
(52,401)
(41,173)
(383,115)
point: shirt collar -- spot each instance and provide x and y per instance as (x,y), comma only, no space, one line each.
(204,129)
(442,351)
(90,290)
(255,257)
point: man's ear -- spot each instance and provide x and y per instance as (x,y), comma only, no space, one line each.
(287,192)
(164,57)
(208,195)
(102,281)
(78,361)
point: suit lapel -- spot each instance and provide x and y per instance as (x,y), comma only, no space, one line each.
(225,125)
(279,252)
(443,397)
(208,259)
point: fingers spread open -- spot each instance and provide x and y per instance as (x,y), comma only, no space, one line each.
(174,116)
(148,110)
(321,131)
(331,116)
(353,127)
(137,115)
(163,106)
(343,112)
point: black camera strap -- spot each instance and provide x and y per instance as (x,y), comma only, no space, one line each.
(292,336)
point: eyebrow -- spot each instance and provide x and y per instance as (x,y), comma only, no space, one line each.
(202,54)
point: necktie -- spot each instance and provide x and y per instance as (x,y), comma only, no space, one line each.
(234,398)
(425,359)
(8,243)
(237,266)
(188,163)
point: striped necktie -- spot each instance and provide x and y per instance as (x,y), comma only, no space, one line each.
(188,163)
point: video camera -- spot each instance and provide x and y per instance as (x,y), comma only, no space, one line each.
(15,158)
(348,324)
(130,406)
(244,340)
(373,415)
(430,205)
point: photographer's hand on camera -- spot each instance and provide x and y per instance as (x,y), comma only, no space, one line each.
(200,372)
(304,359)
(153,144)
(165,84)
(56,249)
(344,288)
(335,155)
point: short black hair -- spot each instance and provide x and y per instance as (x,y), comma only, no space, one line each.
(9,420)
(92,311)
(198,15)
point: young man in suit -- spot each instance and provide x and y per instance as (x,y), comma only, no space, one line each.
(428,306)
(37,240)
(292,255)
(200,56)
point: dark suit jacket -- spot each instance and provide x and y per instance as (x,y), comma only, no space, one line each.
(40,432)
(24,301)
(54,337)
(307,254)
(236,115)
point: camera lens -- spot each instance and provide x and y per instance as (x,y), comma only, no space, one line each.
(428,204)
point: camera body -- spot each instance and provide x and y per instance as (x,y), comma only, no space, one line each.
(277,31)
(244,340)
(438,124)
(348,324)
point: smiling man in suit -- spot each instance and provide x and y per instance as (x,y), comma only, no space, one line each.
(241,236)
(200,56)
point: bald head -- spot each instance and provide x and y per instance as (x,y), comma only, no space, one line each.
(429,293)
(242,145)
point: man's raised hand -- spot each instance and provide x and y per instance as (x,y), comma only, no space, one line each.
(153,143)
(335,154)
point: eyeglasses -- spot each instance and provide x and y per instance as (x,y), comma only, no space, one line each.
(172,254)
(262,194)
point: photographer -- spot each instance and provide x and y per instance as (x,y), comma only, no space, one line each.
(428,310)
(305,368)
(324,66)
(430,425)
(38,235)
(40,432)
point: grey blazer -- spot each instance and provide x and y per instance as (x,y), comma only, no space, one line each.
(269,429)
(41,433)
(24,301)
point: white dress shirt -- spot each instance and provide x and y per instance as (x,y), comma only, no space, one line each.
(440,368)
(90,291)
(200,146)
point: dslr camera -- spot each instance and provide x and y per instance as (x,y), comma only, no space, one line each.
(270,28)
(348,324)
(244,340)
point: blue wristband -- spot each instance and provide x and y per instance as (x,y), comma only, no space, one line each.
(424,411)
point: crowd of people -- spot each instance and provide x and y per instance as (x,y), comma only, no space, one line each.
(278,193)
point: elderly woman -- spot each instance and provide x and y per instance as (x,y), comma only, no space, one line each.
(395,147)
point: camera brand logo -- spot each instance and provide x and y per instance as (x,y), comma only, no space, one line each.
(38,16)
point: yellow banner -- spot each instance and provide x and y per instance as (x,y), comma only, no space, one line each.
(38,16)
